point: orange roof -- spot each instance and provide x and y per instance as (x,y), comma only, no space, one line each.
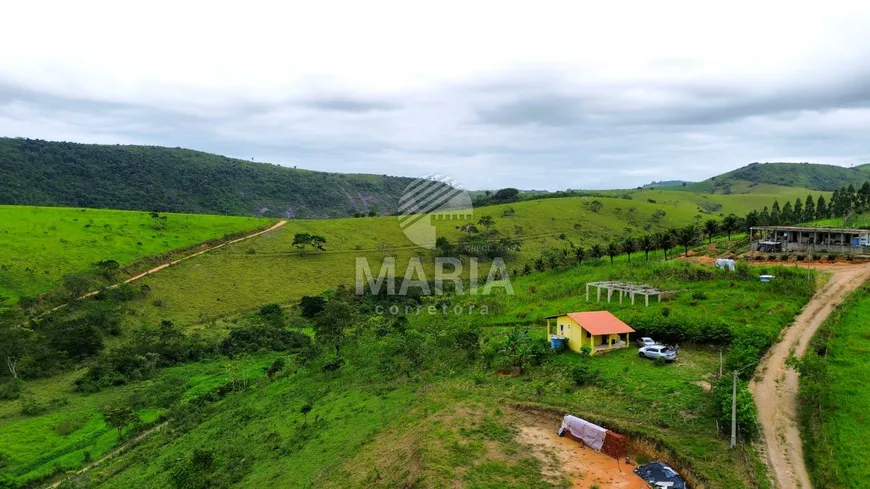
(600,322)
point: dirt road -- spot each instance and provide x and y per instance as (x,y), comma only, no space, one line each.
(776,391)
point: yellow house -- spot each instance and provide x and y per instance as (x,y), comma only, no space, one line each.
(600,330)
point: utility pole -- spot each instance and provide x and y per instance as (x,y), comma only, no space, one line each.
(734,412)
(720,363)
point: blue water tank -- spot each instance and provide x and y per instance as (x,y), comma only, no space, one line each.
(558,343)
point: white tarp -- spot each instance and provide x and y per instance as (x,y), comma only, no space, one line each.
(725,264)
(591,434)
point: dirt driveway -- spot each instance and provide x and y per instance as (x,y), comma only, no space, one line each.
(776,389)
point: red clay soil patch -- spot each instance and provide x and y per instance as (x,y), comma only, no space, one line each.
(582,465)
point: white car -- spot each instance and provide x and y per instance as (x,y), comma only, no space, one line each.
(645,341)
(658,351)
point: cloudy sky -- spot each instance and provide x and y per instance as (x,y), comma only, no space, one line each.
(545,95)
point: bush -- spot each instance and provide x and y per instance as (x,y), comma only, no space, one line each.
(832,257)
(759,258)
(747,414)
(783,257)
(311,305)
(583,374)
(259,337)
(11,390)
(699,295)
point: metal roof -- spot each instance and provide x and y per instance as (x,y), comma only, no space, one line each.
(598,322)
(810,229)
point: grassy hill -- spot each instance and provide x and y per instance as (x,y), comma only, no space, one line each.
(779,177)
(41,245)
(151,178)
(395,416)
(270,269)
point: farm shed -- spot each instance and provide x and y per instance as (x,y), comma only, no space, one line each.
(807,239)
(600,330)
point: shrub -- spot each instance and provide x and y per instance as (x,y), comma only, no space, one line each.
(699,295)
(11,390)
(800,257)
(583,374)
(333,365)
(759,258)
(783,257)
(666,311)
(832,257)
(747,414)
(260,337)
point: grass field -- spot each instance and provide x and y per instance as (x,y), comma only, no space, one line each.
(40,245)
(33,446)
(451,419)
(836,406)
(269,269)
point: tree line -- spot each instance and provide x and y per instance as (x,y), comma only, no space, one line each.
(844,202)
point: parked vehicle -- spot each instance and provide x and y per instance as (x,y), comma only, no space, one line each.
(658,351)
(645,341)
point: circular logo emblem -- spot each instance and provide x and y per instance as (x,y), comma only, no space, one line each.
(429,201)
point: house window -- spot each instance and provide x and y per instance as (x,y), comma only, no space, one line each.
(562,328)
(588,334)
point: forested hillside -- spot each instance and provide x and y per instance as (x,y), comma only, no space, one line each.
(151,178)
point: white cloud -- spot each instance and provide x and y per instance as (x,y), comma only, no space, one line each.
(534,94)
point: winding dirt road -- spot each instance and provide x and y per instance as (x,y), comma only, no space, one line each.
(776,389)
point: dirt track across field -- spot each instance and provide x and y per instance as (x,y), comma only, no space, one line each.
(776,386)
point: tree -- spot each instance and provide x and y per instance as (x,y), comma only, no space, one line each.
(764,218)
(752,219)
(311,305)
(119,417)
(729,224)
(317,242)
(629,246)
(579,254)
(821,208)
(15,344)
(797,211)
(711,227)
(469,229)
(786,216)
(647,243)
(687,236)
(486,222)
(775,214)
(301,241)
(596,251)
(506,195)
(665,241)
(330,323)
(77,285)
(108,268)
(809,209)
(612,251)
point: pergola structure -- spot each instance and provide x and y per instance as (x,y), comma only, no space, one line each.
(624,288)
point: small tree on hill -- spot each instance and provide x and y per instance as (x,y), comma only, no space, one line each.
(687,236)
(711,227)
(629,246)
(330,323)
(108,268)
(597,251)
(486,222)
(665,241)
(612,251)
(729,224)
(119,417)
(579,254)
(16,342)
(646,244)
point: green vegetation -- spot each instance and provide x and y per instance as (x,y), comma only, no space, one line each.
(414,399)
(152,178)
(835,403)
(783,175)
(41,246)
